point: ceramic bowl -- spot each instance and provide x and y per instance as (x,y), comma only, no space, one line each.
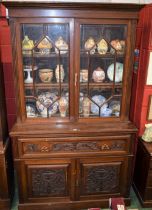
(105,112)
(45,75)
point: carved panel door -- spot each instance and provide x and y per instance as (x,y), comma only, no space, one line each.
(46,180)
(101,176)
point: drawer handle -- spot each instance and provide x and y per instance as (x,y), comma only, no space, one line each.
(76,78)
(105,147)
(77,183)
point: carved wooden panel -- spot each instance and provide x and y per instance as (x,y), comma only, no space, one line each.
(102,178)
(48,180)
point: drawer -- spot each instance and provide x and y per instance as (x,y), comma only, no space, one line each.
(75,145)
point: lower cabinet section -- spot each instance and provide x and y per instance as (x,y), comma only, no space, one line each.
(6,176)
(72,182)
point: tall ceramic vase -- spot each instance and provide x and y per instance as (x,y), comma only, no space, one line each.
(59,73)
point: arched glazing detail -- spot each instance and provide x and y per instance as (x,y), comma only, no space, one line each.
(45,52)
(102,57)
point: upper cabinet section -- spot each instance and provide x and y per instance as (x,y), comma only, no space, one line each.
(73,62)
(102,61)
(45,53)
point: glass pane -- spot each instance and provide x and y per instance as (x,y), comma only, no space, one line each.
(102,55)
(45,51)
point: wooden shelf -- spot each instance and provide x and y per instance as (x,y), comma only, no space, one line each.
(107,55)
(46,85)
(51,55)
(104,85)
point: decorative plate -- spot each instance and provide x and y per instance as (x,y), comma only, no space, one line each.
(45,100)
(118,74)
(98,99)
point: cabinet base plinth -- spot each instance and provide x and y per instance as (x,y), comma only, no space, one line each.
(104,203)
(146,203)
(4,204)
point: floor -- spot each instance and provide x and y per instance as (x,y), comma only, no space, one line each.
(135,205)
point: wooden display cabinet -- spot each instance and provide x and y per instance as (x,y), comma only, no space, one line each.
(73,141)
(143,173)
(6,167)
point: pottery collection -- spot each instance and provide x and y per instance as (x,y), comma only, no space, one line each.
(48,103)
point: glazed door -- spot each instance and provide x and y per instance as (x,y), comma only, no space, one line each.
(46,67)
(102,177)
(103,69)
(46,180)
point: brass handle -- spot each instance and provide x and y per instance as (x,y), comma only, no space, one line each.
(76,78)
(77,183)
(105,147)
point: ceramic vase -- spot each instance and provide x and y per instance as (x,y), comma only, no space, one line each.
(61,46)
(27,45)
(84,75)
(102,47)
(98,75)
(63,106)
(59,73)
(90,45)
(86,107)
